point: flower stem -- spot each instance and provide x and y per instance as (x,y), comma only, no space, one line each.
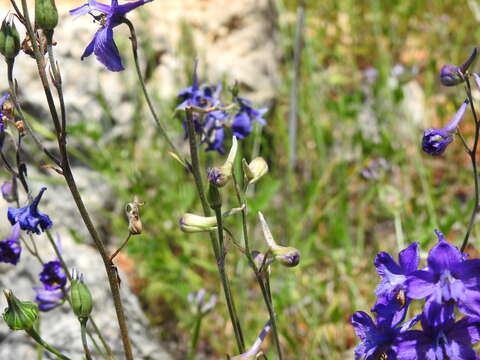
(195,169)
(43,343)
(264,286)
(83,326)
(195,336)
(163,131)
(69,276)
(121,247)
(473,158)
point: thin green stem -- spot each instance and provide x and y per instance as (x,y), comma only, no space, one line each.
(83,327)
(163,131)
(195,336)
(46,346)
(195,169)
(473,158)
(69,276)
(264,286)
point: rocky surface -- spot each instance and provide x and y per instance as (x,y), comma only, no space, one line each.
(60,326)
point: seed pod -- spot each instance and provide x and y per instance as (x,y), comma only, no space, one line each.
(20,315)
(81,297)
(9,39)
(46,14)
(255,170)
(135,226)
(191,223)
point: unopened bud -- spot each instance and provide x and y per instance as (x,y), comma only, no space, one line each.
(135,226)
(46,14)
(451,75)
(219,176)
(255,170)
(286,255)
(214,197)
(390,198)
(81,298)
(9,39)
(191,223)
(20,315)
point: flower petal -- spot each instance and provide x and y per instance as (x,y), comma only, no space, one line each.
(409,258)
(420,284)
(443,256)
(106,50)
(411,345)
(89,49)
(362,323)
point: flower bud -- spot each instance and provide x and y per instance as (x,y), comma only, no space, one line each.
(9,190)
(191,223)
(286,255)
(46,14)
(20,315)
(214,197)
(9,40)
(221,175)
(81,297)
(255,170)
(390,198)
(451,75)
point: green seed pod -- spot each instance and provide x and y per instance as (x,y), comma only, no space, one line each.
(46,14)
(9,40)
(214,198)
(81,297)
(20,315)
(191,223)
(255,170)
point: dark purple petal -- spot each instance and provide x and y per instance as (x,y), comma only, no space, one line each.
(435,141)
(470,304)
(29,217)
(89,49)
(106,50)
(420,284)
(468,271)
(121,10)
(362,324)
(443,256)
(411,345)
(53,276)
(459,351)
(391,274)
(409,258)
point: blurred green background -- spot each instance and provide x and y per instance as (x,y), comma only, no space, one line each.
(368,88)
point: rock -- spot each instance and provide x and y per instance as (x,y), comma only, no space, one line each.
(59,326)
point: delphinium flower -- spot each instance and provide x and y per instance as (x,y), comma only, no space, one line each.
(29,217)
(451,75)
(10,248)
(377,338)
(9,190)
(448,278)
(53,276)
(243,120)
(103,44)
(435,141)
(48,299)
(391,289)
(444,340)
(209,125)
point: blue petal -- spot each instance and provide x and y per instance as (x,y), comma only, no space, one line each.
(106,51)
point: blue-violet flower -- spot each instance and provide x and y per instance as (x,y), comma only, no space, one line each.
(242,124)
(29,217)
(49,299)
(53,276)
(10,249)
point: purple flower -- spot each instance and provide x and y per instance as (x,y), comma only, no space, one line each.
(9,190)
(448,278)
(439,341)
(209,125)
(435,141)
(10,248)
(377,338)
(53,276)
(451,75)
(103,44)
(242,124)
(29,217)
(49,299)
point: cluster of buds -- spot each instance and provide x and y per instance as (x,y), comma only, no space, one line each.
(46,15)
(9,39)
(81,298)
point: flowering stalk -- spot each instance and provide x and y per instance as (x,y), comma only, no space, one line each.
(472,153)
(60,130)
(264,286)
(35,336)
(195,169)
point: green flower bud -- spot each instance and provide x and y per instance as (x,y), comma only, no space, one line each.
(9,39)
(255,170)
(214,198)
(390,198)
(221,175)
(191,223)
(46,14)
(20,315)
(81,297)
(286,255)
